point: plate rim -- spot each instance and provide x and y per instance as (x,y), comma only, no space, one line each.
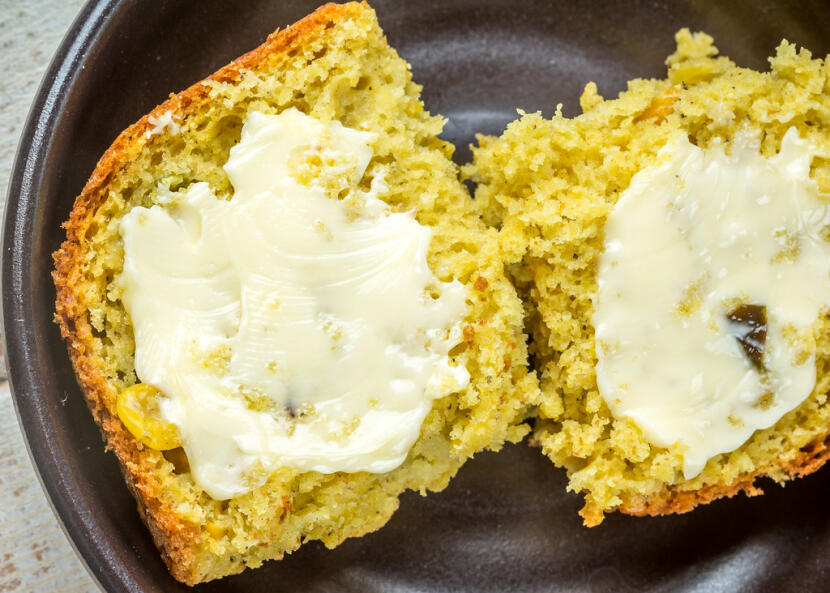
(17,318)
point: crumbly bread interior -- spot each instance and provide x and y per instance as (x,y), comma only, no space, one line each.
(333,65)
(549,184)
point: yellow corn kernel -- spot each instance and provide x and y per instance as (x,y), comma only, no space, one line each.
(660,107)
(215,530)
(138,409)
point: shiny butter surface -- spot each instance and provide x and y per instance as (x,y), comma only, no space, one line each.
(695,235)
(285,327)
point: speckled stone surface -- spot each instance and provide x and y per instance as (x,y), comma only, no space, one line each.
(35,555)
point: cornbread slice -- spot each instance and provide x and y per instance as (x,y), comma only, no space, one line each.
(334,65)
(549,185)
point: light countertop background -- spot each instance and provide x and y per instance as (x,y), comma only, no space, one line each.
(35,555)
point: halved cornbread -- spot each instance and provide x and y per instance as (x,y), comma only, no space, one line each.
(549,186)
(333,65)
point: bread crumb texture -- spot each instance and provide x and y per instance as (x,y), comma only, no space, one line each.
(548,186)
(333,65)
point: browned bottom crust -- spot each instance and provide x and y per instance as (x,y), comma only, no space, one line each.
(670,500)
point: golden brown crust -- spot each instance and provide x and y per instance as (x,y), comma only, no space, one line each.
(670,500)
(174,538)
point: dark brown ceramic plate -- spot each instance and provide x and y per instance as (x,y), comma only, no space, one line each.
(505,523)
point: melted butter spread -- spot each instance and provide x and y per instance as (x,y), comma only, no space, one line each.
(697,236)
(285,327)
